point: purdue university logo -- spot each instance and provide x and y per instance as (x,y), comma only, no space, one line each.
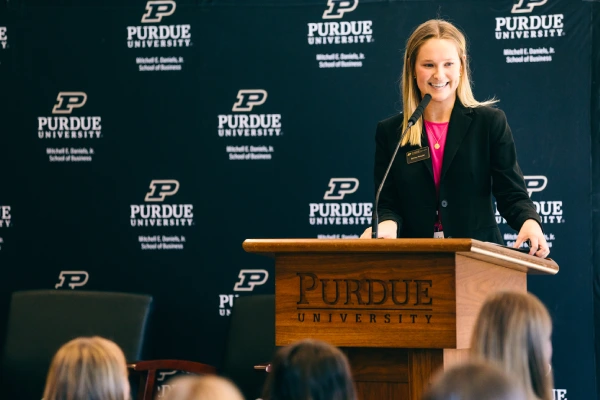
(3,38)
(526,6)
(339,32)
(248,98)
(164,215)
(72,279)
(69,127)
(535,183)
(241,124)
(248,279)
(529,26)
(67,101)
(339,187)
(157,9)
(550,211)
(5,218)
(337,8)
(334,213)
(159,189)
(159,36)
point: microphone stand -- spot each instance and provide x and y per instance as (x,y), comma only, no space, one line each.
(375,219)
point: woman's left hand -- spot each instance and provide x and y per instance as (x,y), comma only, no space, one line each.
(531,230)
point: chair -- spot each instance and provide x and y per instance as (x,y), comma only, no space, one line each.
(250,342)
(41,321)
(148,370)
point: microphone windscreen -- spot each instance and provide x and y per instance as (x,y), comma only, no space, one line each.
(420,108)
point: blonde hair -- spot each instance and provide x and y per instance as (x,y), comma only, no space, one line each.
(88,368)
(411,96)
(510,331)
(210,387)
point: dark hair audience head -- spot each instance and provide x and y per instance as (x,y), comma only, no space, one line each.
(310,370)
(513,331)
(474,381)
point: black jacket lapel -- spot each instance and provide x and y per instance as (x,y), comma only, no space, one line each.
(457,129)
(427,163)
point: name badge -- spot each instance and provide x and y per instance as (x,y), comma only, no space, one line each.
(438,235)
(414,156)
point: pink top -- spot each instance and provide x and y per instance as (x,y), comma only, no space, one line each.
(436,133)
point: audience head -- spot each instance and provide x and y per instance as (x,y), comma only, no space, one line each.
(310,370)
(513,330)
(88,368)
(209,387)
(474,381)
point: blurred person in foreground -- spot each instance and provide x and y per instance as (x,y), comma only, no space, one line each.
(209,387)
(513,330)
(474,381)
(309,370)
(88,368)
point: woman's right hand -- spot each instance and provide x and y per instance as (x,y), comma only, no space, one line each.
(386,229)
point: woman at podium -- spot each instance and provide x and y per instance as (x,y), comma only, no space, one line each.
(452,161)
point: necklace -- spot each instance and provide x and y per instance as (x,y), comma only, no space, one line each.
(437,141)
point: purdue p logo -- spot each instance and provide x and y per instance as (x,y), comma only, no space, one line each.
(248,98)
(535,183)
(526,6)
(161,188)
(163,374)
(67,101)
(157,9)
(339,187)
(337,8)
(73,278)
(250,278)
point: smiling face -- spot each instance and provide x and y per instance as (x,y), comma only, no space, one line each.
(437,71)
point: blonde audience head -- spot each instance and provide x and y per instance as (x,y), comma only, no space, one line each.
(514,331)
(88,368)
(474,381)
(310,370)
(207,387)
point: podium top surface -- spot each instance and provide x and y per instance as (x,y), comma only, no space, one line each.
(467,247)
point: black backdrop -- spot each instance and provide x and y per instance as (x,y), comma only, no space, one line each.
(172,137)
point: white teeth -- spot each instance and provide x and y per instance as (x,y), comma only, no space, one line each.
(441,85)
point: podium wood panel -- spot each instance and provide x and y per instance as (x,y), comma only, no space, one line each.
(422,364)
(382,391)
(475,280)
(402,374)
(427,317)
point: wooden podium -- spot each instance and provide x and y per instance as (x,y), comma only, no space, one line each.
(400,308)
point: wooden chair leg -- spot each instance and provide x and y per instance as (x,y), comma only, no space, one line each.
(141,384)
(149,387)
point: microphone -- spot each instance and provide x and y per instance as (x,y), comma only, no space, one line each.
(411,121)
(419,111)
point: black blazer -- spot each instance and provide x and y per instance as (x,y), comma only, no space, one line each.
(479,159)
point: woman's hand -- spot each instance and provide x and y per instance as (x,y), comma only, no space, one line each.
(386,229)
(531,230)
